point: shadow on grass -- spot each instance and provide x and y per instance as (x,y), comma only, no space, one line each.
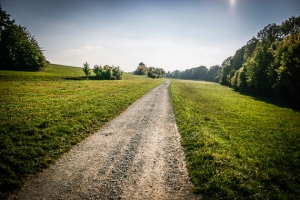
(82,78)
(77,78)
(280,102)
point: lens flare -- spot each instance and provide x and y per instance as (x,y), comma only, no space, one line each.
(232,3)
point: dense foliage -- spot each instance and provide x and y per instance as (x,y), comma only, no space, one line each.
(151,72)
(199,73)
(156,72)
(108,72)
(141,69)
(19,50)
(268,64)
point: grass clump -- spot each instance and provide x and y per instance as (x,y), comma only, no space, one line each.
(42,114)
(237,147)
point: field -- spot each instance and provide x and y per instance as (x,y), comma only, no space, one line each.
(237,147)
(42,114)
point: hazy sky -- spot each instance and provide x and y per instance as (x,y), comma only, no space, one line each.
(169,34)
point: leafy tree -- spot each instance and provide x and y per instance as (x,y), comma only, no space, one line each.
(86,69)
(19,50)
(231,65)
(117,73)
(225,71)
(256,70)
(141,69)
(250,47)
(269,33)
(176,74)
(290,26)
(156,72)
(288,60)
(199,73)
(213,74)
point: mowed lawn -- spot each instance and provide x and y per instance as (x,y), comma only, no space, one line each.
(42,114)
(237,147)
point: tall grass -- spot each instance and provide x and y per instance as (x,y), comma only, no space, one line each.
(42,114)
(237,147)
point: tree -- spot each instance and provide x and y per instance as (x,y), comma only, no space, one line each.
(141,69)
(19,50)
(213,74)
(156,72)
(256,70)
(230,65)
(198,73)
(270,33)
(288,59)
(290,26)
(86,69)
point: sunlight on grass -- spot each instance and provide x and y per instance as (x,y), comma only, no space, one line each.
(236,146)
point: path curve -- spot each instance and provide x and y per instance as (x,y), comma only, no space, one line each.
(135,156)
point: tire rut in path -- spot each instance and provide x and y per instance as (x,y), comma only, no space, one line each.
(135,156)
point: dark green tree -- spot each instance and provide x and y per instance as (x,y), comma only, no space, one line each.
(230,65)
(19,50)
(288,61)
(213,74)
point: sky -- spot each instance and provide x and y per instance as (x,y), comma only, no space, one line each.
(168,34)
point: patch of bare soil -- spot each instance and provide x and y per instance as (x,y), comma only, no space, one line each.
(135,156)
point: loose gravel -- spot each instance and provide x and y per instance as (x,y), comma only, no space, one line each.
(135,156)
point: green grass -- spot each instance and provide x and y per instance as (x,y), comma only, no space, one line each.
(42,114)
(237,147)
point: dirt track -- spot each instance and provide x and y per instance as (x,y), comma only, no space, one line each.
(135,156)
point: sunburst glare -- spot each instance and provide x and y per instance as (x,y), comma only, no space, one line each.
(232,3)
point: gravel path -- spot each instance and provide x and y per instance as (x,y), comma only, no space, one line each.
(135,156)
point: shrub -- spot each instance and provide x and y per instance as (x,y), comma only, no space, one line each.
(156,72)
(141,69)
(108,72)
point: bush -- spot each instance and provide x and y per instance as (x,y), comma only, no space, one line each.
(141,69)
(156,72)
(108,72)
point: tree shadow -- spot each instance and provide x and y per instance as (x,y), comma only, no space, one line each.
(80,78)
(280,102)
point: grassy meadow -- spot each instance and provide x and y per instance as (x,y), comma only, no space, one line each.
(42,114)
(237,147)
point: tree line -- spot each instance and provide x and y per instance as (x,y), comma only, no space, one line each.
(19,50)
(151,72)
(269,64)
(198,73)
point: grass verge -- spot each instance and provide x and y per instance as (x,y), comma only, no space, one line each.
(42,114)
(237,147)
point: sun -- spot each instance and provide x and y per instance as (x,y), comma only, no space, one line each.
(232,3)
